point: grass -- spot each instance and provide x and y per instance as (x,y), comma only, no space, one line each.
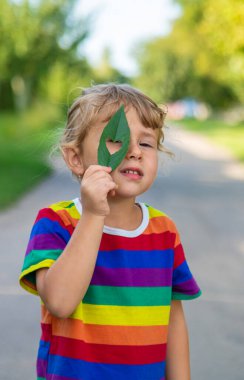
(25,140)
(230,136)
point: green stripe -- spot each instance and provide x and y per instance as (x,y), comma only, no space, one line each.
(185,297)
(35,256)
(70,205)
(128,296)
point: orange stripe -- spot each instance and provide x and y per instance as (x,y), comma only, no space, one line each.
(160,224)
(106,334)
(67,218)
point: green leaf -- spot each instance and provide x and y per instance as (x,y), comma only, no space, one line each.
(117,129)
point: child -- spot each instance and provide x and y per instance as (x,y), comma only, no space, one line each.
(111,272)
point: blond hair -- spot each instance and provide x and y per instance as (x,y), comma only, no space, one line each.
(105,99)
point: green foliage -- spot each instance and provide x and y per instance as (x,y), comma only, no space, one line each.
(25,140)
(164,74)
(35,37)
(202,57)
(223,33)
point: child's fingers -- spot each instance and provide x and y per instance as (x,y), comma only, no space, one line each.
(97,168)
(113,191)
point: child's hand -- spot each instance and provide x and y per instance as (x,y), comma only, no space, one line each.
(95,186)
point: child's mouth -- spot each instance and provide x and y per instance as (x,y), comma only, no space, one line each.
(133,173)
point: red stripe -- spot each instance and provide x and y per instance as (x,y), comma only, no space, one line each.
(47,213)
(163,240)
(46,332)
(179,257)
(109,354)
(52,215)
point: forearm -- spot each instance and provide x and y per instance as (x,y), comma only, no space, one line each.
(178,357)
(64,285)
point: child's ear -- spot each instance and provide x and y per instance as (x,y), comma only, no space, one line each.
(73,160)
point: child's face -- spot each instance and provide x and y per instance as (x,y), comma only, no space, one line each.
(137,171)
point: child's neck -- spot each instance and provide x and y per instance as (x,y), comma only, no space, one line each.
(124,214)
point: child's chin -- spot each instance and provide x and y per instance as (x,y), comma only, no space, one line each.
(127,194)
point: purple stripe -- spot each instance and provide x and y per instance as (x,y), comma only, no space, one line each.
(41,367)
(51,376)
(45,241)
(132,276)
(189,287)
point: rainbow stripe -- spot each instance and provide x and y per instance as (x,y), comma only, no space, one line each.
(119,330)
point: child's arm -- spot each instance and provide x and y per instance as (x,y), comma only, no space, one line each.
(64,285)
(178,358)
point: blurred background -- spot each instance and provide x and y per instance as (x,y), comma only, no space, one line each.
(188,55)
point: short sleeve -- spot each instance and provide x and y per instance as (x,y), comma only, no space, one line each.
(184,286)
(47,241)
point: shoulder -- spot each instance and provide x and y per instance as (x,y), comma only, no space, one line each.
(160,220)
(64,211)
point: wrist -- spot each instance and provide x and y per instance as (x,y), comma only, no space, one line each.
(89,215)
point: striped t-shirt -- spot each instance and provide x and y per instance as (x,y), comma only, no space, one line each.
(119,329)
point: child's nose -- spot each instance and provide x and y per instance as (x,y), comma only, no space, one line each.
(134,151)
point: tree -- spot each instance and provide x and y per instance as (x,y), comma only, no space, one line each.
(202,57)
(34,37)
(223,33)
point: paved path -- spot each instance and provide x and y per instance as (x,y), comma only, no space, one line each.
(203,190)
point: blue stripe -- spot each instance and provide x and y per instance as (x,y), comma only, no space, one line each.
(45,226)
(44,348)
(80,369)
(181,273)
(121,258)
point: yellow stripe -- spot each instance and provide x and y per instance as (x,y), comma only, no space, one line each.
(122,315)
(153,212)
(28,288)
(43,264)
(61,206)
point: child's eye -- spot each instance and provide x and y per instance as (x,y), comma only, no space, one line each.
(146,145)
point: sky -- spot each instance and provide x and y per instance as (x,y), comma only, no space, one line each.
(121,24)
